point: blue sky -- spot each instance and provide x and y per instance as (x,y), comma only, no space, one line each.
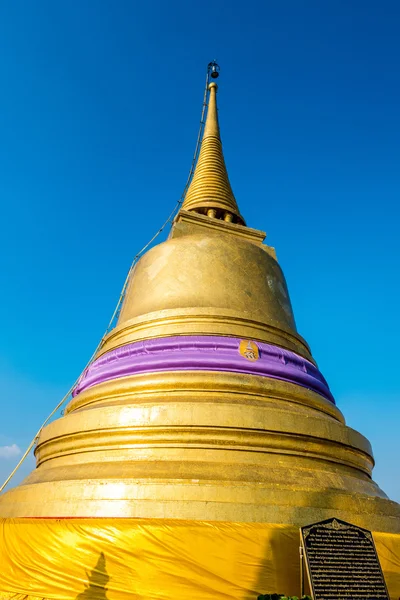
(99,114)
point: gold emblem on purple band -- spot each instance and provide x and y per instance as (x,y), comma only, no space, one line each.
(249,350)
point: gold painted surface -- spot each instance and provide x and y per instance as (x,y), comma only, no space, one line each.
(202,321)
(189,425)
(210,187)
(209,271)
(203,386)
(187,222)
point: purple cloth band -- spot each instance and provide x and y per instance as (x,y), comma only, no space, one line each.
(202,353)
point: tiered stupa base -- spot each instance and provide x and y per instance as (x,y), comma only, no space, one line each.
(190,508)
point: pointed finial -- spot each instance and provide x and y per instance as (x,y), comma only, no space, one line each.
(212,125)
(210,191)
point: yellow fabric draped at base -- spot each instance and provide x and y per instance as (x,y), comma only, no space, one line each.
(125,559)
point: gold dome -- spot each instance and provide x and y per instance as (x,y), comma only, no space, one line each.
(213,278)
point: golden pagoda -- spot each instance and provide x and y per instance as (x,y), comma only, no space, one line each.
(200,438)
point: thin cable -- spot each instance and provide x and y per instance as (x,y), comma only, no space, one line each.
(135,260)
(171,216)
(124,287)
(114,315)
(199,136)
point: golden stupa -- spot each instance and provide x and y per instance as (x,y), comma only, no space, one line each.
(201,437)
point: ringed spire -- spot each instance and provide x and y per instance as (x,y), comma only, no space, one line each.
(210,191)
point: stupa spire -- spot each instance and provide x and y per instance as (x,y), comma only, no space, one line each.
(210,191)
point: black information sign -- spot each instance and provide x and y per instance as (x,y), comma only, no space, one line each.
(342,563)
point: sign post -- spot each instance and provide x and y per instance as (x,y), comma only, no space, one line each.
(301,570)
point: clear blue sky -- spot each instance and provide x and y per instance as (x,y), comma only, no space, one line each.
(99,112)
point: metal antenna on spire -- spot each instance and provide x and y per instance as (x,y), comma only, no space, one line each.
(213,69)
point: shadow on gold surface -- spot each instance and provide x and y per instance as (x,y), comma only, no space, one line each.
(283,556)
(97,581)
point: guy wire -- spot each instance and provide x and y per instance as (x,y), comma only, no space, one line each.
(117,309)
